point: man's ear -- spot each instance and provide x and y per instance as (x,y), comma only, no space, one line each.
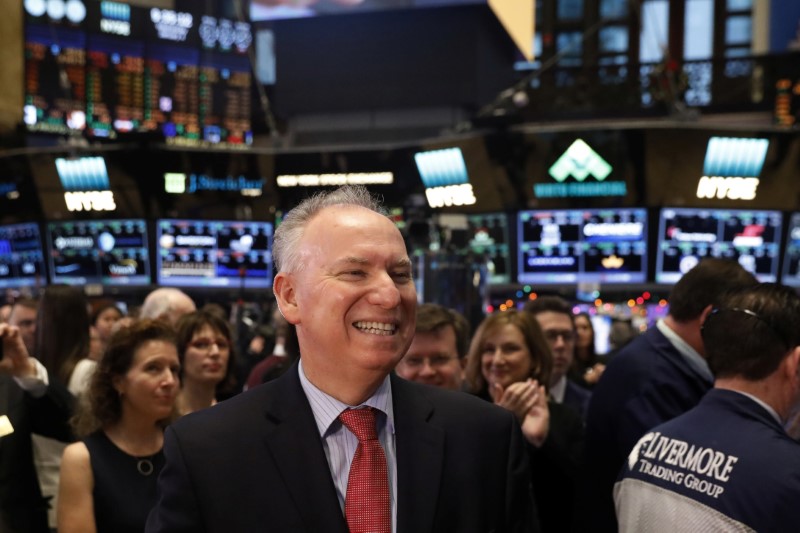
(285,295)
(705,313)
(793,363)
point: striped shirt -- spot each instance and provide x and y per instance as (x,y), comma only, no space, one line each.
(340,444)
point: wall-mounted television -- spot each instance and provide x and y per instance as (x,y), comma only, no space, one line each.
(687,235)
(488,235)
(108,252)
(791,255)
(21,257)
(214,253)
(582,245)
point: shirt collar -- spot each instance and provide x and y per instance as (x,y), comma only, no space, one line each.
(558,390)
(763,404)
(690,355)
(327,409)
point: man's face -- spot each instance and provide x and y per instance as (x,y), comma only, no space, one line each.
(352,297)
(432,359)
(560,335)
(25,319)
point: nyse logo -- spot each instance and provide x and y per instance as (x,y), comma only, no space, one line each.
(579,161)
(90,201)
(731,188)
(450,195)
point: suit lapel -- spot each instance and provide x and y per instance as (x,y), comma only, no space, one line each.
(294,443)
(420,456)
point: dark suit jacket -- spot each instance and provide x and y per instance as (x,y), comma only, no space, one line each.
(22,507)
(577,398)
(256,463)
(647,384)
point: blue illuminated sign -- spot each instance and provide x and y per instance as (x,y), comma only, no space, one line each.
(83,174)
(115,11)
(439,168)
(735,157)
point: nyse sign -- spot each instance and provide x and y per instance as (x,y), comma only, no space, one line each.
(450,195)
(90,201)
(726,187)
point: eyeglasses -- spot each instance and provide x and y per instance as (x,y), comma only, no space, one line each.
(435,361)
(552,335)
(205,344)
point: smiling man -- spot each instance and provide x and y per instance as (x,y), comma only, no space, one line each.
(437,351)
(338,443)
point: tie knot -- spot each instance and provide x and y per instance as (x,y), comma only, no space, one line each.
(360,422)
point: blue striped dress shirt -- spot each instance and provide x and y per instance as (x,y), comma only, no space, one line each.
(340,444)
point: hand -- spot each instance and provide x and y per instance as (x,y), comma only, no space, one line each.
(592,375)
(16,361)
(528,401)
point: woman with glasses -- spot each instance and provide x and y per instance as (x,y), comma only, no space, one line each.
(510,363)
(205,349)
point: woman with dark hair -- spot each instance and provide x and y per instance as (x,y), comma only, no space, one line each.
(586,366)
(62,342)
(205,346)
(104,317)
(108,479)
(508,360)
(62,330)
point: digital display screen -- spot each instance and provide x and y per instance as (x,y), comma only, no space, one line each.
(55,79)
(791,257)
(203,253)
(110,68)
(21,257)
(114,85)
(225,98)
(172,91)
(586,245)
(488,234)
(108,252)
(685,236)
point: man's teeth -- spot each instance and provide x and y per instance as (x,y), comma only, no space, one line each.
(376,328)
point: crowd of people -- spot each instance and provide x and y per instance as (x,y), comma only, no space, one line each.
(373,413)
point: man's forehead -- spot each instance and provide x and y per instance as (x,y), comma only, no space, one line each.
(553,319)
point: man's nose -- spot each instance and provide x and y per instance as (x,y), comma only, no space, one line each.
(427,368)
(385,292)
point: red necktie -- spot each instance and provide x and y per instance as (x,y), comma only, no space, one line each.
(366,505)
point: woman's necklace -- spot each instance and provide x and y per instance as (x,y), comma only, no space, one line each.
(145,467)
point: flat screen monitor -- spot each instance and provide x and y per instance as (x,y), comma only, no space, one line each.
(582,245)
(488,235)
(108,252)
(687,235)
(21,257)
(791,255)
(206,253)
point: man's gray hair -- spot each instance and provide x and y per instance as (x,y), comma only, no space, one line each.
(289,233)
(161,302)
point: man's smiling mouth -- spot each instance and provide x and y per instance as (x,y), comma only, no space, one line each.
(376,328)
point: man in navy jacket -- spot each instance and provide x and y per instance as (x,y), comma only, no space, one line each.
(656,377)
(727,464)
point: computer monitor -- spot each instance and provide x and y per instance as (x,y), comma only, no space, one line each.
(582,245)
(214,253)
